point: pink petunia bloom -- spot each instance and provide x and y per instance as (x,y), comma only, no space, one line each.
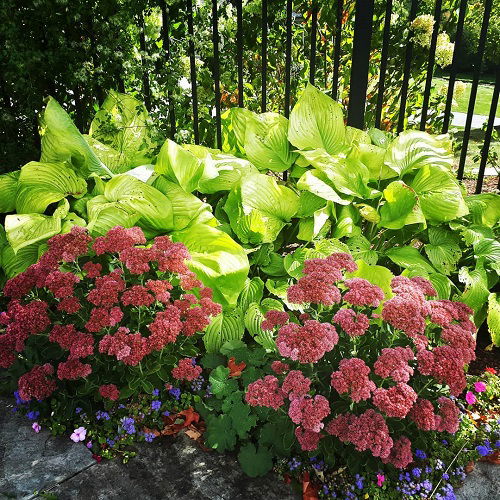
(380,480)
(480,386)
(470,398)
(78,435)
(36,427)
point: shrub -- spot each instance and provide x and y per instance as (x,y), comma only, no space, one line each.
(103,318)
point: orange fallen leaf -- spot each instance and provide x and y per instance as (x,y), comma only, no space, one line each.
(235,369)
(309,491)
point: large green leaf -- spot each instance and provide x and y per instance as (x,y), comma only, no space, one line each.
(103,215)
(259,208)
(41,184)
(179,165)
(25,229)
(317,182)
(494,317)
(15,263)
(252,292)
(347,222)
(414,149)
(255,315)
(316,122)
(440,196)
(255,462)
(373,157)
(489,249)
(476,291)
(347,175)
(409,257)
(400,201)
(8,190)
(443,249)
(123,125)
(317,226)
(484,208)
(218,261)
(226,326)
(221,172)
(62,142)
(266,142)
(361,249)
(136,196)
(187,208)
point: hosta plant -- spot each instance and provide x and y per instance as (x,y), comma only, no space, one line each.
(102,318)
(356,372)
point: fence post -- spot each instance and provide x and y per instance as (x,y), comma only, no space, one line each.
(336,49)
(215,39)
(473,91)
(239,49)
(192,64)
(360,63)
(264,57)
(314,34)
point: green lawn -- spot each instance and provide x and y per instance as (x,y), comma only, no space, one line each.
(483,99)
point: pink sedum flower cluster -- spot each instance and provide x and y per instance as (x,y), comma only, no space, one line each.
(116,299)
(186,369)
(387,365)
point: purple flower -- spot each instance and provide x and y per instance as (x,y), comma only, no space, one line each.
(444,442)
(102,415)
(36,427)
(480,386)
(78,410)
(497,444)
(128,425)
(19,399)
(470,398)
(78,434)
(33,415)
(166,413)
(416,472)
(420,454)
(110,442)
(485,449)
(89,445)
(175,392)
(156,392)
(156,405)
(446,476)
(149,436)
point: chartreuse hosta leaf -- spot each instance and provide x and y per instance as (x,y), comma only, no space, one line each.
(103,215)
(316,226)
(484,208)
(179,165)
(253,290)
(123,125)
(476,291)
(360,248)
(255,315)
(62,142)
(259,208)
(373,157)
(218,261)
(443,249)
(41,184)
(439,194)
(413,149)
(153,206)
(317,182)
(266,142)
(226,326)
(400,200)
(187,208)
(15,263)
(347,222)
(25,229)
(347,175)
(221,172)
(494,317)
(8,190)
(409,257)
(489,249)
(317,122)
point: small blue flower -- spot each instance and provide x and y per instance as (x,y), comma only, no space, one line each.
(110,442)
(446,476)
(102,415)
(428,469)
(33,415)
(156,405)
(420,454)
(427,485)
(78,411)
(19,399)
(416,472)
(128,425)
(166,413)
(497,444)
(149,436)
(156,392)
(444,442)
(485,449)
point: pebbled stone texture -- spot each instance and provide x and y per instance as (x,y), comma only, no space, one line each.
(483,483)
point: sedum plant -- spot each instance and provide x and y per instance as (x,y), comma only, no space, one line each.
(358,374)
(104,317)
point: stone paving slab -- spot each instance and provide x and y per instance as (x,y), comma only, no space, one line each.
(483,483)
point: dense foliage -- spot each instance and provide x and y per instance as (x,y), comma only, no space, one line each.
(307,288)
(141,47)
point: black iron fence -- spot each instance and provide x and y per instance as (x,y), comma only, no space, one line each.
(361,49)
